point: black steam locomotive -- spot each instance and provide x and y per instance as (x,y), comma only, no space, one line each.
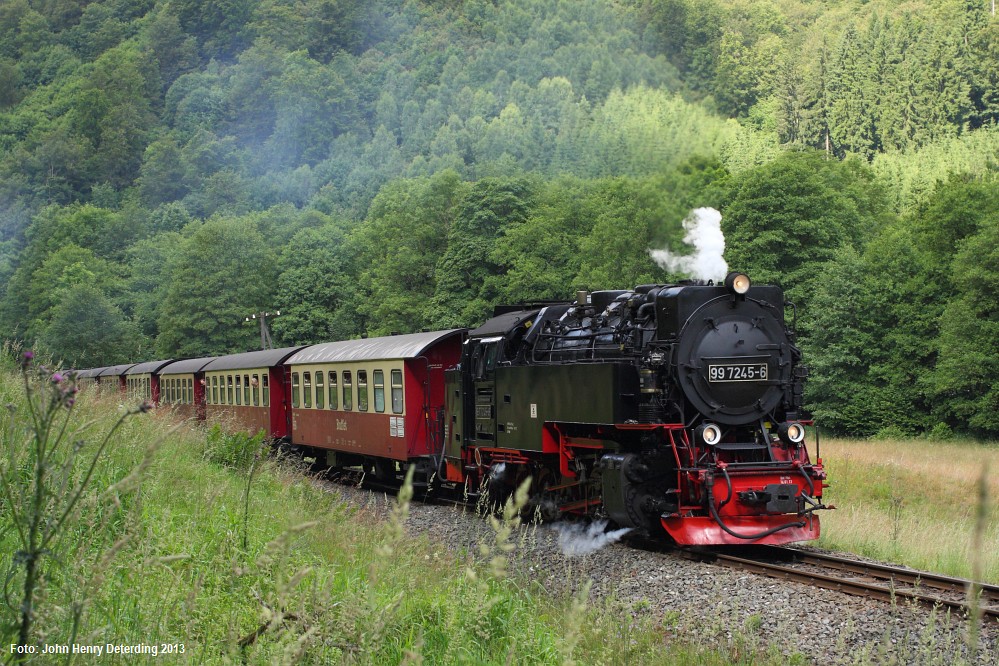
(671,408)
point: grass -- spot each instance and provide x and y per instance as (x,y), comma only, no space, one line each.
(193,543)
(915,502)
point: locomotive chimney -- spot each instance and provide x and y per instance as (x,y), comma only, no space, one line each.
(582,298)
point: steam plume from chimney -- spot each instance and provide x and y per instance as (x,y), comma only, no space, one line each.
(704,234)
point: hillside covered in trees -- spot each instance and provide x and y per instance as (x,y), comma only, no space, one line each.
(368,166)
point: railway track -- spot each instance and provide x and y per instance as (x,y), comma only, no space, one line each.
(866,579)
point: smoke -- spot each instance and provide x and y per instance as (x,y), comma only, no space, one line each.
(704,235)
(576,539)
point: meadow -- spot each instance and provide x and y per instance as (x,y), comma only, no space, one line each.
(916,502)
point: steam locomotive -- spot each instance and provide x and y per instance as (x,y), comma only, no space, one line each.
(674,410)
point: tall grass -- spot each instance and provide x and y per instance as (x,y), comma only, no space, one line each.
(189,541)
(916,502)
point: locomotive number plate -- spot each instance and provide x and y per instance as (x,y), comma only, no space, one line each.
(749,372)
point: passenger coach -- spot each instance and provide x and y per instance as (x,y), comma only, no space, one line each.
(249,391)
(373,402)
(181,386)
(143,380)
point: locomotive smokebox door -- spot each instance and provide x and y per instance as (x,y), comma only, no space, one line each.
(734,360)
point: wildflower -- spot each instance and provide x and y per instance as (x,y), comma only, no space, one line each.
(28,355)
(57,378)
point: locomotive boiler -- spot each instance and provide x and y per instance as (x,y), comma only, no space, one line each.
(666,408)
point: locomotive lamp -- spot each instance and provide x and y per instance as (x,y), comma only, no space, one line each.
(737,283)
(709,433)
(791,432)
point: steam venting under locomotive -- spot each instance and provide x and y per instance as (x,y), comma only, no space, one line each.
(671,407)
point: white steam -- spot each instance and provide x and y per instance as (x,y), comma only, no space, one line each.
(576,539)
(704,235)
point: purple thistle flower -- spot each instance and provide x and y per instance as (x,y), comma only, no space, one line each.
(57,378)
(28,355)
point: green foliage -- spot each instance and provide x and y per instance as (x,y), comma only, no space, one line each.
(86,330)
(786,218)
(316,287)
(370,167)
(234,450)
(468,280)
(968,363)
(223,272)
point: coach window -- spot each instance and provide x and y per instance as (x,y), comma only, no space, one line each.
(215,390)
(255,387)
(190,391)
(333,392)
(247,390)
(307,391)
(266,391)
(379,391)
(239,390)
(362,390)
(348,391)
(397,391)
(295,389)
(320,389)
(228,393)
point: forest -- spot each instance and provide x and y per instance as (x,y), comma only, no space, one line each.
(376,166)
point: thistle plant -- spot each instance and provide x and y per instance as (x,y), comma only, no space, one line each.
(45,470)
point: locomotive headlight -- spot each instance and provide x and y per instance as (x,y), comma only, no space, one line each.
(791,432)
(709,433)
(737,283)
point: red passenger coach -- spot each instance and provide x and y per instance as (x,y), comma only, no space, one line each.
(143,380)
(181,387)
(373,398)
(249,392)
(113,377)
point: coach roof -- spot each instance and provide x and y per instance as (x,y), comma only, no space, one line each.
(148,366)
(187,366)
(115,370)
(266,358)
(368,349)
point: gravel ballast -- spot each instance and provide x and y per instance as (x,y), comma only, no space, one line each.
(707,603)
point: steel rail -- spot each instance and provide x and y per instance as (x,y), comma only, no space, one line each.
(866,579)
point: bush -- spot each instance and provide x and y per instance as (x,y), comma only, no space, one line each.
(235,450)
